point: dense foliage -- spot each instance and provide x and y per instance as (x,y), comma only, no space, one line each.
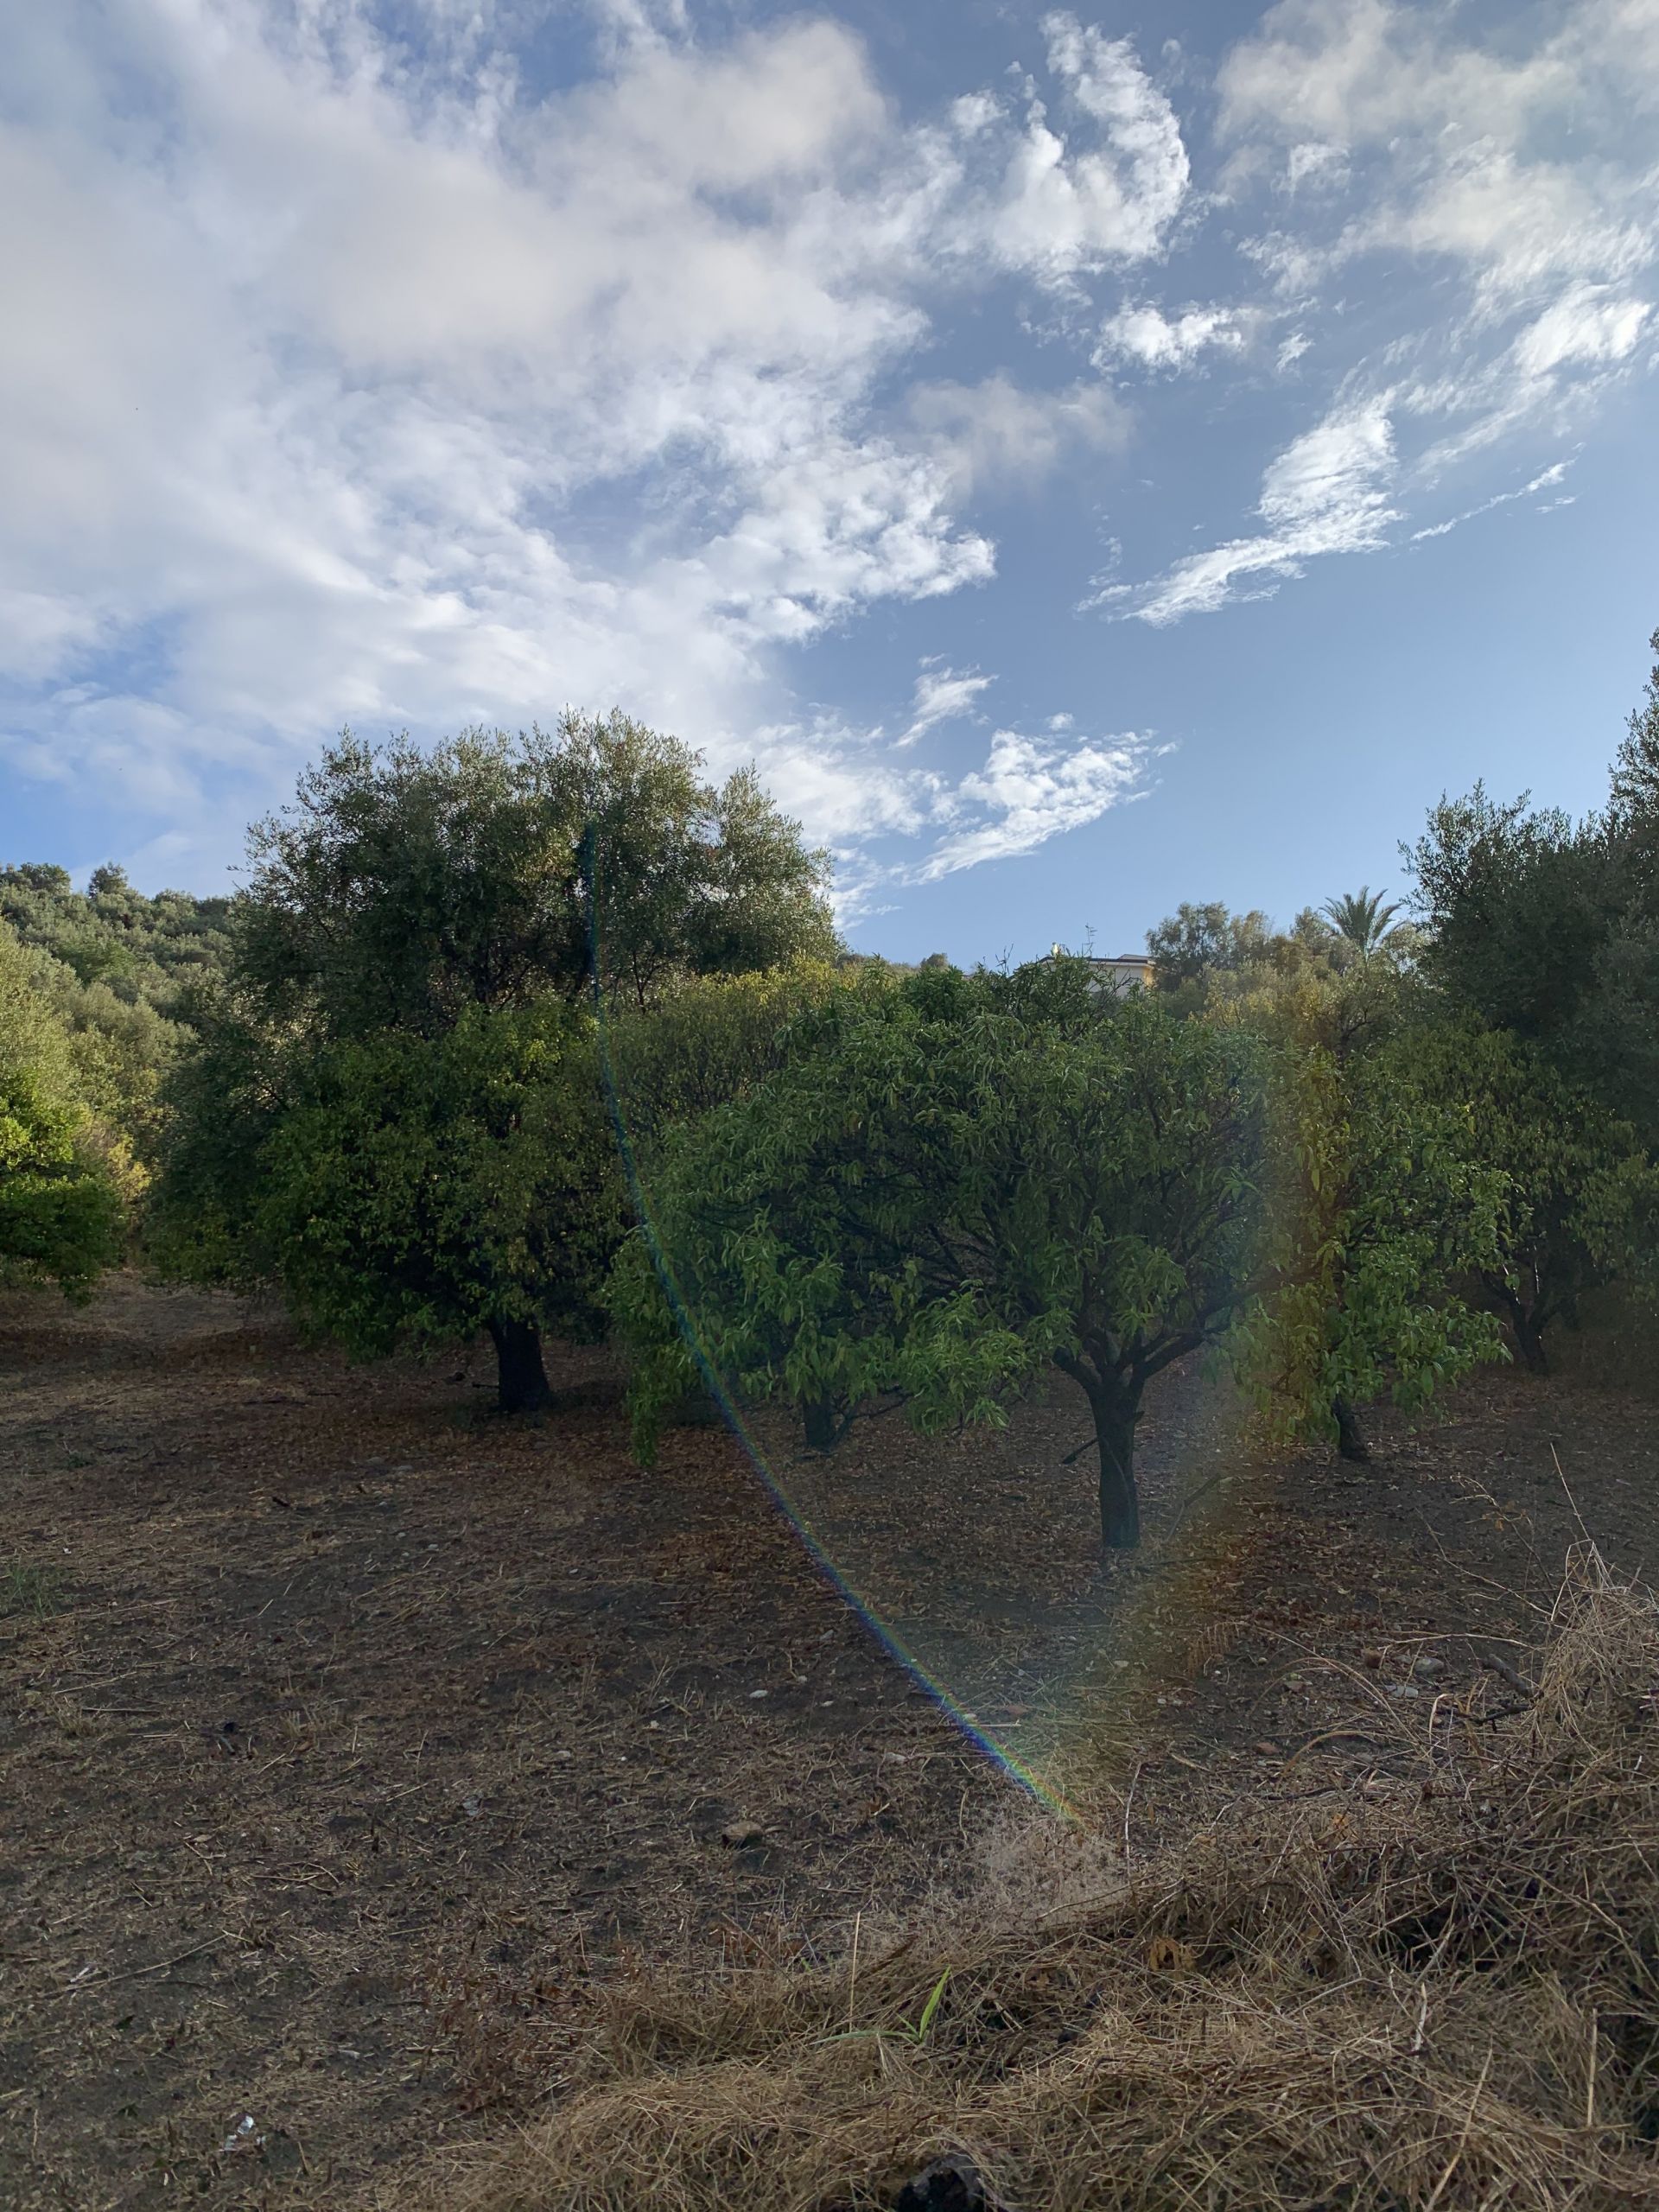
(1578,1196)
(60,1178)
(420,1189)
(1550,928)
(949,1183)
(1379,1211)
(405,886)
(396,1111)
(123,975)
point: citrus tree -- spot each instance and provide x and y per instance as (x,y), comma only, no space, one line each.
(1379,1211)
(948,1184)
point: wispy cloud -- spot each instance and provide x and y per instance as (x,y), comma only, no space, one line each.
(347,379)
(1029,792)
(350,375)
(942,696)
(1544,480)
(1328,493)
(995,436)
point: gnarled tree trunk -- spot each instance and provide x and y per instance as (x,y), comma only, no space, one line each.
(1528,1338)
(521,1380)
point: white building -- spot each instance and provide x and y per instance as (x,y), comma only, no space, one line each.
(1129,972)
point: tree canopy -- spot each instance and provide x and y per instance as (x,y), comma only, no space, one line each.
(405,884)
(949,1183)
(1378,1210)
(1578,1194)
(1550,928)
(419,1190)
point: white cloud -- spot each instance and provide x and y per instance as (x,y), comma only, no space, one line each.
(1063,209)
(1546,479)
(943,695)
(1465,145)
(1587,324)
(347,376)
(1028,792)
(1146,335)
(1328,493)
(1313,161)
(347,379)
(994,436)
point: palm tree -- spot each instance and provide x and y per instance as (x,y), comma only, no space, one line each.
(1362,918)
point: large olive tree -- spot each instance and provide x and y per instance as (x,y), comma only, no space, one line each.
(403,1046)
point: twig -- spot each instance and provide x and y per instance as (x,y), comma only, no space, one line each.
(1516,1682)
(852,1982)
(136,1974)
(1468,2122)
(1568,1487)
(1224,1474)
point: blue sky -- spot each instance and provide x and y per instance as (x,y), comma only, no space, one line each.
(1089,459)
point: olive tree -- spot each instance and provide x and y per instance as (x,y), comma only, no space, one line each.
(419,922)
(406,884)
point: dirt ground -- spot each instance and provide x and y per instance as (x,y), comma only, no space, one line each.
(348,1734)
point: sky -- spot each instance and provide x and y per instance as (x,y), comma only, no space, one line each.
(1087,460)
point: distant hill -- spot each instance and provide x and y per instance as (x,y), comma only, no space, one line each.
(122,973)
(148,951)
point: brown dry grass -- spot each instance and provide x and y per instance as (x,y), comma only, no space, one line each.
(1437,1994)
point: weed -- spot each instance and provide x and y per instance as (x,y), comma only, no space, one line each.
(31,1590)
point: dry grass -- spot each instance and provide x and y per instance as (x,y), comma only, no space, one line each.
(1435,1991)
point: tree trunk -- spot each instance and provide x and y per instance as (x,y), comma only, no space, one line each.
(1529,1339)
(823,1429)
(1115,1414)
(1524,1326)
(1350,1436)
(521,1380)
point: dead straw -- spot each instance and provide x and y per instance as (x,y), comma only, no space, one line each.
(1380,2003)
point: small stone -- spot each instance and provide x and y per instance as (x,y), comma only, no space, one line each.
(737,1833)
(950,2185)
(759,1693)
(1426,1667)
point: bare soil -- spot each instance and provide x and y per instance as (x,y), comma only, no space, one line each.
(348,1734)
